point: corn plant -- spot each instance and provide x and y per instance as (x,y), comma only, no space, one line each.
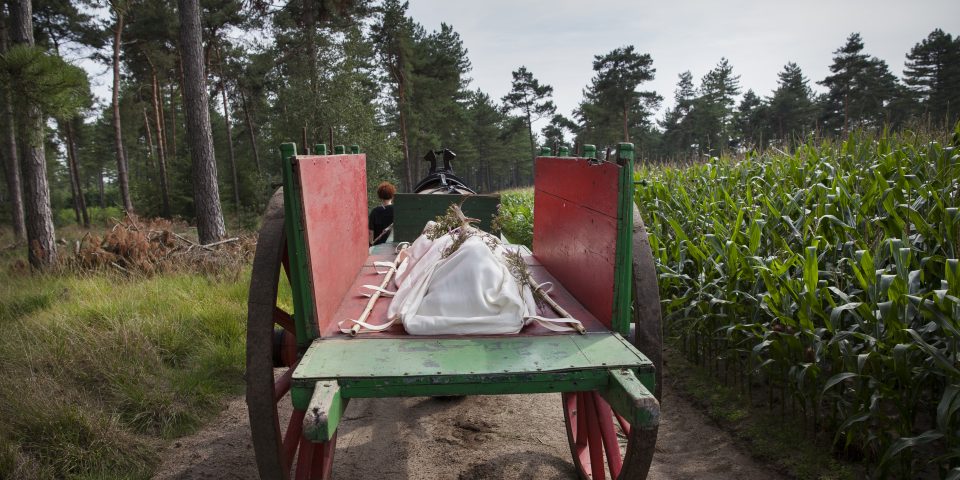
(824,281)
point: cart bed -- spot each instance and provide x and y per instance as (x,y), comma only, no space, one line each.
(353,304)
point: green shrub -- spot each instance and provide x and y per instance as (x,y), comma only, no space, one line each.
(515,218)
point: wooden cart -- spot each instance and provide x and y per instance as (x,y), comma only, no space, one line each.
(588,240)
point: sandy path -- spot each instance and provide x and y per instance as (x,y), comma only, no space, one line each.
(481,437)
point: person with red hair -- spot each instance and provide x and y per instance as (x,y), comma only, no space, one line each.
(380,222)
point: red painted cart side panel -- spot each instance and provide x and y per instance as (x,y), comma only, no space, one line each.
(334,191)
(575,228)
(593,186)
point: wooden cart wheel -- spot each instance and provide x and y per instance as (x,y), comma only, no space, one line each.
(595,433)
(271,358)
(648,331)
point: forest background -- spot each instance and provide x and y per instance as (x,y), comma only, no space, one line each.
(367,73)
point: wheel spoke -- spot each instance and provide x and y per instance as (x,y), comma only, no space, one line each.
(328,449)
(291,439)
(282,385)
(581,435)
(624,425)
(593,434)
(610,444)
(285,260)
(323,459)
(284,319)
(305,459)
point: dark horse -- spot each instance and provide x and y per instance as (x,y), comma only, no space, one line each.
(442,180)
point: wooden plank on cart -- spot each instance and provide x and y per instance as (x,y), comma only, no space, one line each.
(324,412)
(480,365)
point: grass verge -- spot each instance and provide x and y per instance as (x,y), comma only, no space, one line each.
(98,370)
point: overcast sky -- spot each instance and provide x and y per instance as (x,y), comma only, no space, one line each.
(557,39)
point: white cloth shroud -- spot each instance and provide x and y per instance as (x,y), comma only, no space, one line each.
(472,291)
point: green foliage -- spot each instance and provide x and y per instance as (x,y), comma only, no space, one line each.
(613,110)
(825,277)
(859,89)
(95,369)
(57,87)
(933,74)
(515,218)
(98,216)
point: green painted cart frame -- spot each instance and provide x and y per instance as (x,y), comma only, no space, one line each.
(588,238)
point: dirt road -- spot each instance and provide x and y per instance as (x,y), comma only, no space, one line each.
(481,437)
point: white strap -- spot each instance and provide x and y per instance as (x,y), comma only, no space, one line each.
(384,264)
(547,288)
(364,326)
(551,323)
(383,291)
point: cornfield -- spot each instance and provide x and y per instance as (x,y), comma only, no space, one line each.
(824,283)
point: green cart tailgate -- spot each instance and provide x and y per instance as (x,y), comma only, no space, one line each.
(383,367)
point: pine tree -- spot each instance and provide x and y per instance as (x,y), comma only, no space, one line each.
(438,93)
(791,108)
(718,91)
(933,74)
(41,239)
(10,150)
(118,9)
(612,96)
(858,89)
(554,133)
(206,193)
(676,123)
(532,100)
(752,120)
(393,36)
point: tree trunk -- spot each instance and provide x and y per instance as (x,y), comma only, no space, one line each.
(79,203)
(233,158)
(152,150)
(206,193)
(230,154)
(14,186)
(401,108)
(533,152)
(173,124)
(250,130)
(74,190)
(41,239)
(406,142)
(122,177)
(73,158)
(100,189)
(626,131)
(161,149)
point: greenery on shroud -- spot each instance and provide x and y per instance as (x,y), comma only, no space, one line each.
(825,282)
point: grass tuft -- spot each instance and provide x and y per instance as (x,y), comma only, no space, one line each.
(97,370)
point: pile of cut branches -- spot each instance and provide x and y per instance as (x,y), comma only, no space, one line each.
(152,246)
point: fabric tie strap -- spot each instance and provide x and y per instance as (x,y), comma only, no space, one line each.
(383,291)
(552,323)
(368,327)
